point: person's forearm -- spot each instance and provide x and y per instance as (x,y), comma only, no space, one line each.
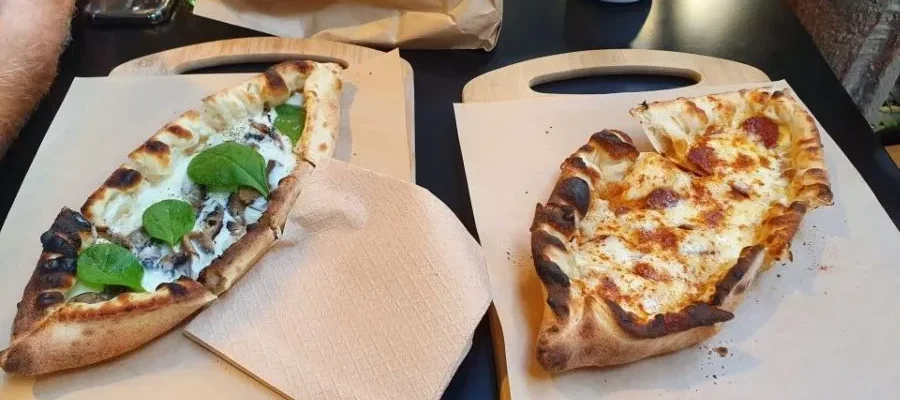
(32,35)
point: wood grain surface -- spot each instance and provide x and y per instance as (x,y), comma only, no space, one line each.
(246,50)
(516,81)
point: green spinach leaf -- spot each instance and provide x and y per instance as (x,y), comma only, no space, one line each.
(169,220)
(229,165)
(290,120)
(109,264)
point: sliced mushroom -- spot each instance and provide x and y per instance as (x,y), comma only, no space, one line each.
(137,240)
(187,246)
(253,137)
(238,201)
(109,292)
(179,262)
(174,260)
(236,229)
(212,224)
(89,298)
(203,240)
(270,166)
(195,195)
(276,137)
(261,127)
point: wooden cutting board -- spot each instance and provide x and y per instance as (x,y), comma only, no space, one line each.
(266,49)
(515,82)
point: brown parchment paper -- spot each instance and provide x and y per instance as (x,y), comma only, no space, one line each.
(100,120)
(820,327)
(373,292)
(416,24)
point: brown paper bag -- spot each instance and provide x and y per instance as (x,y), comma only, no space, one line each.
(409,24)
(820,327)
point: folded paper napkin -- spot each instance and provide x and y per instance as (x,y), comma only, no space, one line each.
(373,292)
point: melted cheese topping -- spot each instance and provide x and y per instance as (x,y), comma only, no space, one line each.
(126,212)
(662,237)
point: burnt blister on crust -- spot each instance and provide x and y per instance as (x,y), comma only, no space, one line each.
(64,239)
(123,178)
(274,83)
(176,288)
(304,67)
(735,274)
(559,217)
(179,131)
(575,192)
(615,143)
(692,316)
(52,242)
(71,223)
(59,264)
(542,240)
(155,147)
(47,299)
(557,284)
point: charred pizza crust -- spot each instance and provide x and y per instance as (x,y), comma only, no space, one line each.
(51,334)
(321,92)
(584,329)
(591,323)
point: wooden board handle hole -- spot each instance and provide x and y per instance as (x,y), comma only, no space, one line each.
(254,61)
(604,80)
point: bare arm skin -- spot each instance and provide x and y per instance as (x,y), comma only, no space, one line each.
(32,35)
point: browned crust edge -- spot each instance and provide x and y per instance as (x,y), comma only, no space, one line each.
(322,121)
(43,339)
(50,334)
(580,331)
(55,271)
(809,180)
(240,257)
(72,335)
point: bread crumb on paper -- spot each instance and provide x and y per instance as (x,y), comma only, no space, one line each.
(722,351)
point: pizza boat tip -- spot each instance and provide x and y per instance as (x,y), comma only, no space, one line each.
(644,253)
(190,212)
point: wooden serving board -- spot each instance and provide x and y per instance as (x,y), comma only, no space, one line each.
(246,50)
(515,82)
(266,49)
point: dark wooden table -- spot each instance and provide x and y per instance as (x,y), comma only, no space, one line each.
(760,33)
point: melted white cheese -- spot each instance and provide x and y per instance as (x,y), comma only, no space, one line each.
(125,219)
(254,210)
(296,99)
(126,212)
(153,277)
